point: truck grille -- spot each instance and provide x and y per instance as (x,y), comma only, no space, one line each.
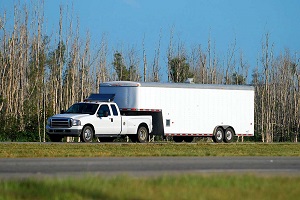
(61,123)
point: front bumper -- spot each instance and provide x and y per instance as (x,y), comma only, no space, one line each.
(75,132)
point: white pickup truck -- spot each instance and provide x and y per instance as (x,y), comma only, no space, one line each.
(100,119)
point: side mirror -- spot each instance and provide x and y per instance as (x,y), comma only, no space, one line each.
(62,111)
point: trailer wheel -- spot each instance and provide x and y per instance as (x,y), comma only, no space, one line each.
(189,139)
(55,138)
(219,135)
(142,134)
(87,134)
(178,138)
(229,135)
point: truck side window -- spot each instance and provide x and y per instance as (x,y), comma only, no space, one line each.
(114,109)
(102,110)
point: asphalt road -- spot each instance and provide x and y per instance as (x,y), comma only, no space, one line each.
(146,166)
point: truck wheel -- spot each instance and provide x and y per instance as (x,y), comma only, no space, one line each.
(219,135)
(87,134)
(189,139)
(229,135)
(142,134)
(56,138)
(178,138)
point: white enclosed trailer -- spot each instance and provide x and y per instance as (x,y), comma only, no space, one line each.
(186,110)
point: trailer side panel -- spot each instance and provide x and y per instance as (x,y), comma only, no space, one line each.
(189,109)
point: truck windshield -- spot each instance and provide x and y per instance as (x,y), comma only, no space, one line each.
(83,108)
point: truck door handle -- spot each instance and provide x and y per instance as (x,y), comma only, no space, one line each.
(111,119)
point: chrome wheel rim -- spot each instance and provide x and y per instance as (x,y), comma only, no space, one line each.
(228,135)
(143,134)
(219,135)
(87,134)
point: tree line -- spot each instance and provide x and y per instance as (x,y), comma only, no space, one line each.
(42,74)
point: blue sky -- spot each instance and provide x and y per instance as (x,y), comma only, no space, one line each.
(127,22)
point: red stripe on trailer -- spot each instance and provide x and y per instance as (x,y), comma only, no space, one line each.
(189,134)
(142,109)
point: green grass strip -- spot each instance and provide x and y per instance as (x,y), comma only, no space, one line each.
(35,150)
(164,187)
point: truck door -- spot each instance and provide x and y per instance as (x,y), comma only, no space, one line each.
(104,124)
(116,119)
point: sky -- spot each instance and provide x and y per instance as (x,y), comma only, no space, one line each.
(126,23)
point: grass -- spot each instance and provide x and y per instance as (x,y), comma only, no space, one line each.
(164,187)
(35,150)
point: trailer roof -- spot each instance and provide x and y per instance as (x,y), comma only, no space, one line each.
(174,85)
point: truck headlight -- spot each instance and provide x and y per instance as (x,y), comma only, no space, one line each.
(76,122)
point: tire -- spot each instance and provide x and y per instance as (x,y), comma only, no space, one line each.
(87,134)
(142,134)
(55,138)
(178,138)
(228,135)
(188,139)
(218,135)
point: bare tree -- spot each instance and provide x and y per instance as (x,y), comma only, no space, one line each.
(144,61)
(133,63)
(230,62)
(102,72)
(267,58)
(170,53)
(156,65)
